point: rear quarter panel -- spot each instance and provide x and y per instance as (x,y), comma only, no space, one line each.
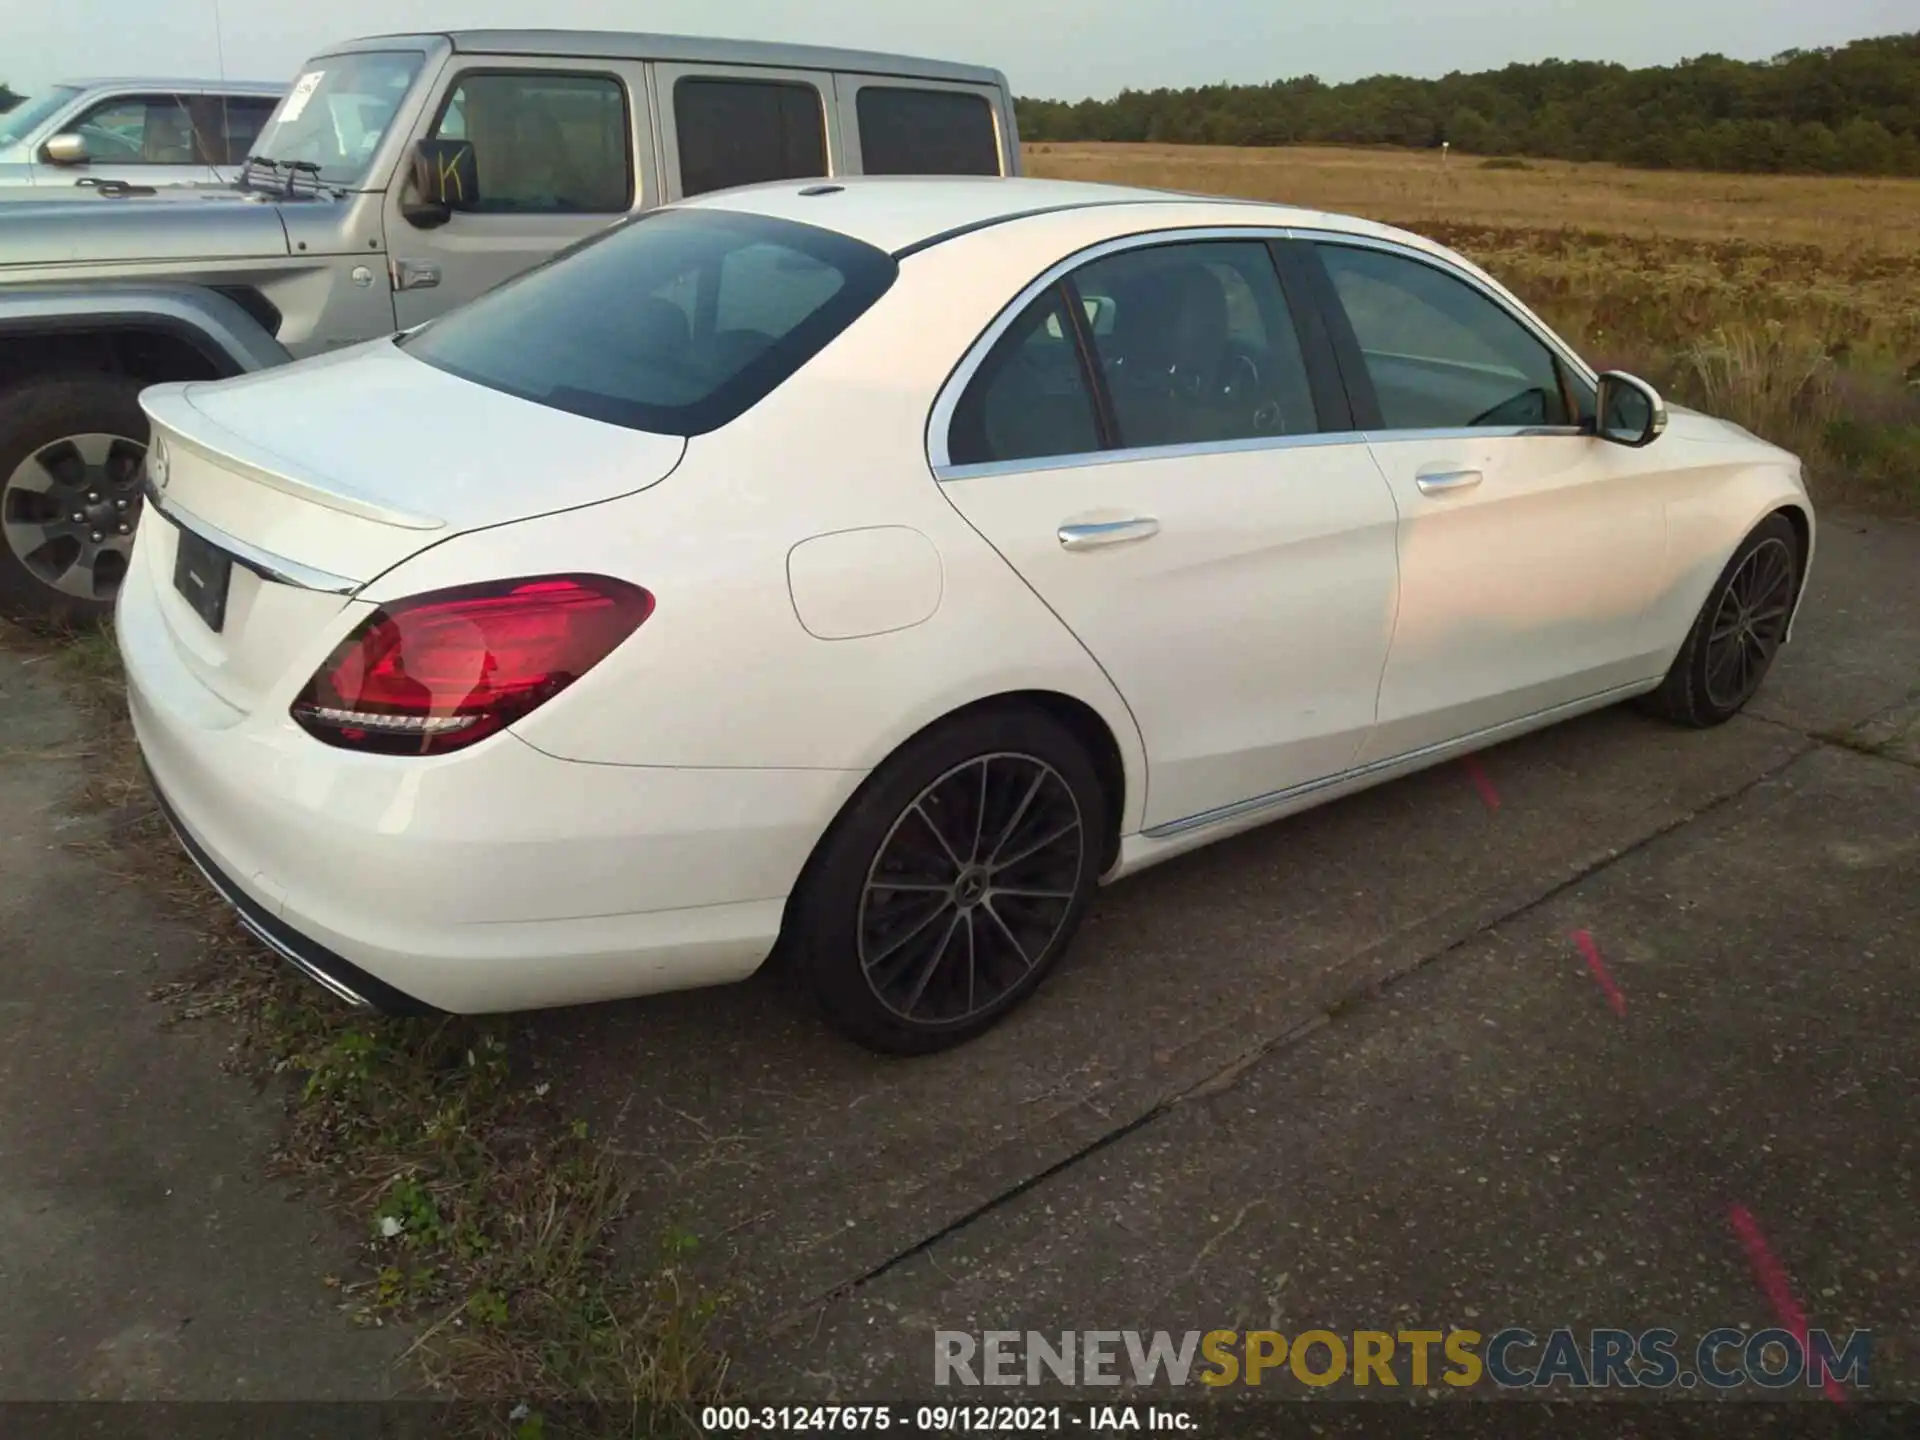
(724,673)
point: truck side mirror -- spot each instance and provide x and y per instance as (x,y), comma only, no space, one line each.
(445,179)
(68,149)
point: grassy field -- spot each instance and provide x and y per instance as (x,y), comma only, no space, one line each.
(1788,303)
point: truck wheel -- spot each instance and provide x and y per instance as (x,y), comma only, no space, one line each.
(71,453)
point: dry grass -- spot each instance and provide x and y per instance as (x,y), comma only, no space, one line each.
(1788,303)
(489,1213)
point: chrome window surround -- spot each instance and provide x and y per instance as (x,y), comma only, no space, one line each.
(940,422)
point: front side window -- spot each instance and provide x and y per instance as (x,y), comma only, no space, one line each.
(926,132)
(141,130)
(747,132)
(1196,344)
(543,144)
(1440,353)
(337,111)
(1029,399)
(676,322)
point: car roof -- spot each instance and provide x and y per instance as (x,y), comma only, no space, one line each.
(902,214)
(684,49)
(156,82)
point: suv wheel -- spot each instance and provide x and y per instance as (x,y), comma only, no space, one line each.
(71,453)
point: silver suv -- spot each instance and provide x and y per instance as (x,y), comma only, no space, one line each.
(133,132)
(398,177)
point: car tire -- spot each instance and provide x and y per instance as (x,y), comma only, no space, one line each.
(64,439)
(991,829)
(1738,632)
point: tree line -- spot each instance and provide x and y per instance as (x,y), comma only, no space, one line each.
(1848,110)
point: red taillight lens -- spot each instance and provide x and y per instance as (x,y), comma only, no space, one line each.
(441,671)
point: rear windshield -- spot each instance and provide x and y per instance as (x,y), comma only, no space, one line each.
(676,322)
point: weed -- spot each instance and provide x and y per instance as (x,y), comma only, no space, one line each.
(488,1213)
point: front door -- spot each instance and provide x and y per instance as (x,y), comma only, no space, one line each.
(561,149)
(1529,550)
(1144,446)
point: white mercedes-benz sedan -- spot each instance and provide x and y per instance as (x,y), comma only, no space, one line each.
(878,567)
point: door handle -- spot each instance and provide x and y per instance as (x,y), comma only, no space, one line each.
(1439,482)
(1108,532)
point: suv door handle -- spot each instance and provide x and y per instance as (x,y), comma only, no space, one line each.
(1108,532)
(1439,482)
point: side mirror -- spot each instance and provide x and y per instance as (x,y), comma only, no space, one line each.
(445,179)
(1628,411)
(66,149)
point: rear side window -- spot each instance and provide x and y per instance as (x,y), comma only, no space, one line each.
(926,132)
(746,132)
(245,119)
(676,322)
(1030,398)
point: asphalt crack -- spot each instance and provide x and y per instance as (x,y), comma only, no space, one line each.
(1349,1002)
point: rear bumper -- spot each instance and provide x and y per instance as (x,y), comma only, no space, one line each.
(493,879)
(332,972)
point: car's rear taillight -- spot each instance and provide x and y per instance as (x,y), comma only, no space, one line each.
(439,672)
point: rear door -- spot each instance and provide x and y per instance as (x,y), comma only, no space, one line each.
(1529,549)
(1159,450)
(728,125)
(922,127)
(557,146)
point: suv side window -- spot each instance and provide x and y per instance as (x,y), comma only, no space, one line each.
(1440,353)
(544,143)
(926,132)
(1196,344)
(141,130)
(1030,397)
(245,118)
(745,132)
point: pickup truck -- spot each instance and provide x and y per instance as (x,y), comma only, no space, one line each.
(398,177)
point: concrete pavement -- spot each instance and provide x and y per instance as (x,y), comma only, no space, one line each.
(1346,1022)
(144,1253)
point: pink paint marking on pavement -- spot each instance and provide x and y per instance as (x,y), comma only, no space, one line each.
(1482,782)
(1777,1288)
(1601,975)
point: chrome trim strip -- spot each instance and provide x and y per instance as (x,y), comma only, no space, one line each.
(1477,432)
(1145,453)
(268,567)
(1148,452)
(1241,808)
(258,931)
(948,400)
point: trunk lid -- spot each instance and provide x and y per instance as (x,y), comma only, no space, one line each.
(320,476)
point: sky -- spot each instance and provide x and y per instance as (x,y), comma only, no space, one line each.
(1063,49)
